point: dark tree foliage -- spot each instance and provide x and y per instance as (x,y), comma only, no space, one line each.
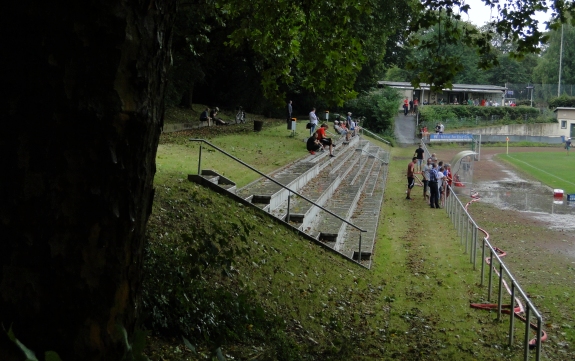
(515,23)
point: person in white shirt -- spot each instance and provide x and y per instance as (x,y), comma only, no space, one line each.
(313,120)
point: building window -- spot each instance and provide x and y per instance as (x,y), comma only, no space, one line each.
(563,124)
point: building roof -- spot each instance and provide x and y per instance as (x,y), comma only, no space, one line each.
(563,108)
(472,88)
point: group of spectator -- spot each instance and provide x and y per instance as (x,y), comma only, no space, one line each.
(437,178)
(318,140)
(477,102)
(410,106)
(212,114)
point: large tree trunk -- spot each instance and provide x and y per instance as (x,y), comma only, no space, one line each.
(82,112)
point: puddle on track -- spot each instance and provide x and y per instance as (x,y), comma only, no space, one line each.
(529,197)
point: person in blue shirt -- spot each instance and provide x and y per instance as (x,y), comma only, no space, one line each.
(433,187)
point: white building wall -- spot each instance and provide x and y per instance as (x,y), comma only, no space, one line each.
(538,129)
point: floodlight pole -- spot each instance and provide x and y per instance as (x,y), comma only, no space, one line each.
(560,61)
(530,87)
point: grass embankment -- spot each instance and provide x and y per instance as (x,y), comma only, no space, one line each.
(554,169)
(287,299)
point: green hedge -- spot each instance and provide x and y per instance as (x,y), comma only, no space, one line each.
(439,113)
(562,101)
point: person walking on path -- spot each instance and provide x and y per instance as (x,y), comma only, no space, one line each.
(289,111)
(405,106)
(415,105)
(410,175)
(419,152)
(568,145)
(433,189)
(313,120)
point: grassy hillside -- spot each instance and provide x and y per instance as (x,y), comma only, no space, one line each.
(284,298)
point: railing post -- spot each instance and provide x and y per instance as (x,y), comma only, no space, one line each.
(474,247)
(359,253)
(453,210)
(460,222)
(539,335)
(466,233)
(527,326)
(200,161)
(512,319)
(500,293)
(289,197)
(482,260)
(490,274)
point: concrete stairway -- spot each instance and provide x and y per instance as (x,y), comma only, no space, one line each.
(350,185)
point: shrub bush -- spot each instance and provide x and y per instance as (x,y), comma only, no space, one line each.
(562,101)
(439,113)
(378,107)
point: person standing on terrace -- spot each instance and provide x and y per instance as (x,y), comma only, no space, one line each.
(313,120)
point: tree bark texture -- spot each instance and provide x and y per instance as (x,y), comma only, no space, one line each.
(82,113)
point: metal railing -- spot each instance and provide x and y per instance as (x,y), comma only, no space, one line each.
(372,134)
(203,141)
(468,231)
(386,162)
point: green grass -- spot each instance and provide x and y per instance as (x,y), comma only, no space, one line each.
(288,299)
(266,151)
(554,169)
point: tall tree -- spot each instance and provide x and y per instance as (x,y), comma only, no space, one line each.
(83,111)
(547,69)
(516,22)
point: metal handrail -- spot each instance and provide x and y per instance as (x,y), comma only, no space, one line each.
(468,229)
(269,178)
(374,135)
(373,155)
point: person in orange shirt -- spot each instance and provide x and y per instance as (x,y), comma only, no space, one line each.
(405,106)
(324,140)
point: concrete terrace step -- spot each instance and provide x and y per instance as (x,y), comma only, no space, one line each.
(365,216)
(343,202)
(350,185)
(318,189)
(294,176)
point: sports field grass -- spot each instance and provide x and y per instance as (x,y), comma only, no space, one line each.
(555,169)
